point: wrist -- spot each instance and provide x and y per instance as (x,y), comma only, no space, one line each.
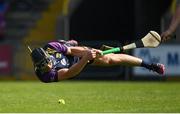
(85,59)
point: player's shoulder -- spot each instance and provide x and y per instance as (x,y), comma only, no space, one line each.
(52,45)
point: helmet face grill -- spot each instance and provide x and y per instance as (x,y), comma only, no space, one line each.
(39,57)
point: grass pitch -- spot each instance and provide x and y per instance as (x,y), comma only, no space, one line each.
(84,96)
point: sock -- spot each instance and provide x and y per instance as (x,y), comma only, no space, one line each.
(146,65)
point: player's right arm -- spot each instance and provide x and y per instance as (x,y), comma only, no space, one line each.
(77,51)
(75,69)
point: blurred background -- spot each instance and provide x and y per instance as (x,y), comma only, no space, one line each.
(92,23)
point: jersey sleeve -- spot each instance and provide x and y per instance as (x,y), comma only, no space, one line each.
(51,76)
(59,47)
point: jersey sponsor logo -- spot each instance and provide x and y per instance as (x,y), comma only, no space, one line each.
(50,51)
(58,55)
(63,61)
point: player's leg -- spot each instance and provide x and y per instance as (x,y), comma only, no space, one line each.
(117,59)
(127,60)
(69,42)
(72,42)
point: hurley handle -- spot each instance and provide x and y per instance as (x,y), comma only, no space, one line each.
(113,50)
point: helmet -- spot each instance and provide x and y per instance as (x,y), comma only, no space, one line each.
(39,57)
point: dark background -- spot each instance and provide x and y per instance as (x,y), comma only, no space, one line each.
(122,20)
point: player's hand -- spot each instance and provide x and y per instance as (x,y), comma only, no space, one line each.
(98,53)
(166,35)
(90,54)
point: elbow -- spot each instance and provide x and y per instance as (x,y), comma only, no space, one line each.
(68,51)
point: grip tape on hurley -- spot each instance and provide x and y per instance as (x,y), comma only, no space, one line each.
(113,50)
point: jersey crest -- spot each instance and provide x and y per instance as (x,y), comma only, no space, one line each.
(58,59)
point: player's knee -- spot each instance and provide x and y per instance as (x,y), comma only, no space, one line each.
(113,61)
(109,61)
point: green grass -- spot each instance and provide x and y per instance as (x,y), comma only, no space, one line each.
(90,96)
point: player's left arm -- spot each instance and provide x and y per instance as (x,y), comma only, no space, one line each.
(75,69)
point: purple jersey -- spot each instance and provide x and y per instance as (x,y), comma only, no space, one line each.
(59,59)
(59,47)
